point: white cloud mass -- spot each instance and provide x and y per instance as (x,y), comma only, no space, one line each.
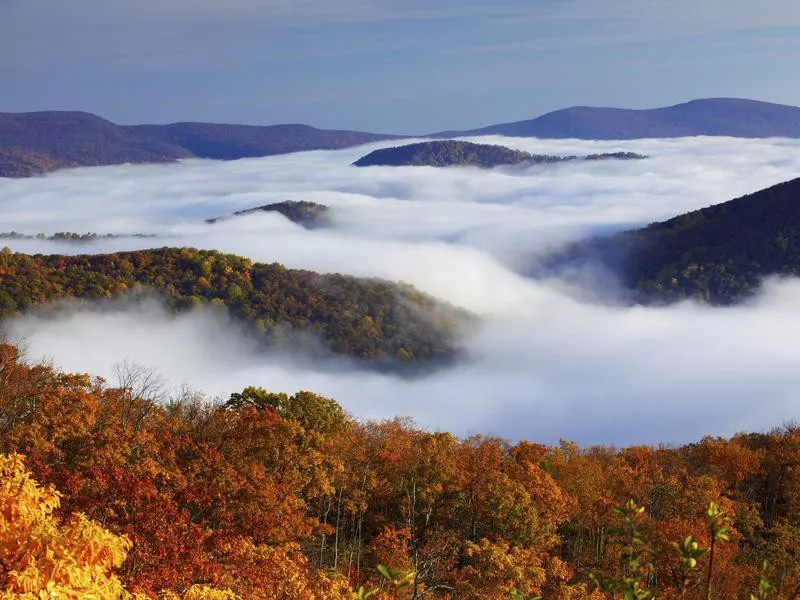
(544,365)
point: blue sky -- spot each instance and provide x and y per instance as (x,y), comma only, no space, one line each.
(405,66)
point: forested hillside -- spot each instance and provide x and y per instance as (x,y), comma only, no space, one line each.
(453,153)
(276,497)
(719,254)
(308,214)
(371,319)
(446,153)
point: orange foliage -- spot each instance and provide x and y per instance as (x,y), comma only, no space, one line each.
(43,558)
(287,497)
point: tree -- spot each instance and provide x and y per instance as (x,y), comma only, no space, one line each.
(40,555)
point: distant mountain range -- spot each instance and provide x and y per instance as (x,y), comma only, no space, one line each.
(714,116)
(39,142)
(32,143)
(452,153)
(718,254)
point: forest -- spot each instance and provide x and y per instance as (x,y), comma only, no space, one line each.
(449,153)
(115,489)
(719,254)
(308,214)
(392,325)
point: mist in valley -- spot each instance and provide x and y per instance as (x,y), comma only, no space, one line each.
(548,360)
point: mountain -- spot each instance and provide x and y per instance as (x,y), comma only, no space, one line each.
(450,153)
(392,325)
(32,143)
(39,142)
(229,142)
(718,254)
(308,214)
(713,116)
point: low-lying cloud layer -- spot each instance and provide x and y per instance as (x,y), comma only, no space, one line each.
(543,366)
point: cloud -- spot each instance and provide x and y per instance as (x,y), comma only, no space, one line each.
(557,369)
(545,364)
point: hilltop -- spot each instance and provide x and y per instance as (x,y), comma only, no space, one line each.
(719,254)
(449,153)
(308,214)
(39,142)
(732,117)
(392,325)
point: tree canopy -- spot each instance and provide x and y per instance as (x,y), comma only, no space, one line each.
(279,496)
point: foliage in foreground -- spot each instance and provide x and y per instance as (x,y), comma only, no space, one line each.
(286,497)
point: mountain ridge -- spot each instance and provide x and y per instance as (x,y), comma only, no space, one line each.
(734,117)
(39,142)
(719,254)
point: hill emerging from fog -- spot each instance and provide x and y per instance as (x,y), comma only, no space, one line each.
(451,153)
(308,214)
(39,142)
(718,254)
(713,116)
(394,326)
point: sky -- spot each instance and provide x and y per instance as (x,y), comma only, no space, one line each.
(550,359)
(395,66)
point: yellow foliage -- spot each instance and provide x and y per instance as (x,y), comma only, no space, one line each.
(43,559)
(579,591)
(201,592)
(495,569)
(280,573)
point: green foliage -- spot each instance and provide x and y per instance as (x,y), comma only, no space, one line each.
(633,584)
(311,411)
(719,254)
(718,524)
(765,586)
(689,552)
(719,531)
(396,578)
(366,318)
(399,578)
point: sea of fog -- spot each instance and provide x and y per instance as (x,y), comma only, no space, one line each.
(548,361)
